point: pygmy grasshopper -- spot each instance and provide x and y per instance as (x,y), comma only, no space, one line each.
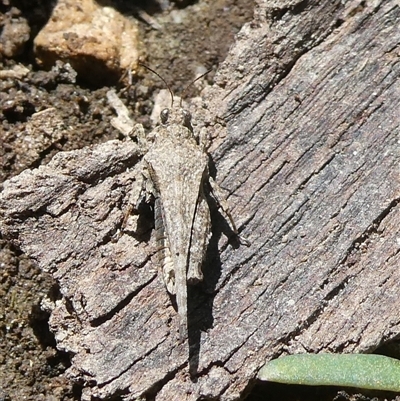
(176,177)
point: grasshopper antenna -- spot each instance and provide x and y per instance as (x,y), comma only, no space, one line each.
(165,82)
(190,84)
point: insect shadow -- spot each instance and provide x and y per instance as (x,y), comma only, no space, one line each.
(201,297)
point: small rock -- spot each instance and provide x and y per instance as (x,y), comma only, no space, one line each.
(44,130)
(18,71)
(15,33)
(98,42)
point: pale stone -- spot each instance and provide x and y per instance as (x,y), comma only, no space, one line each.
(99,42)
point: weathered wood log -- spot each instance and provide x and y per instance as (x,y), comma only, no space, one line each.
(310,155)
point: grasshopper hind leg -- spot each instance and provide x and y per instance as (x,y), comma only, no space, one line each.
(200,236)
(163,249)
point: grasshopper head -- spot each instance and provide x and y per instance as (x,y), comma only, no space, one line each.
(179,116)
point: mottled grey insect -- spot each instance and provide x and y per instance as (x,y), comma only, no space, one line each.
(176,176)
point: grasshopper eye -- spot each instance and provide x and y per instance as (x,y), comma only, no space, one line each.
(187,118)
(164,116)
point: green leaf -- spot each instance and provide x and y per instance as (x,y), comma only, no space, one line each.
(348,370)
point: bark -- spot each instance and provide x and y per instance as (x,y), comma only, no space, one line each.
(310,156)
